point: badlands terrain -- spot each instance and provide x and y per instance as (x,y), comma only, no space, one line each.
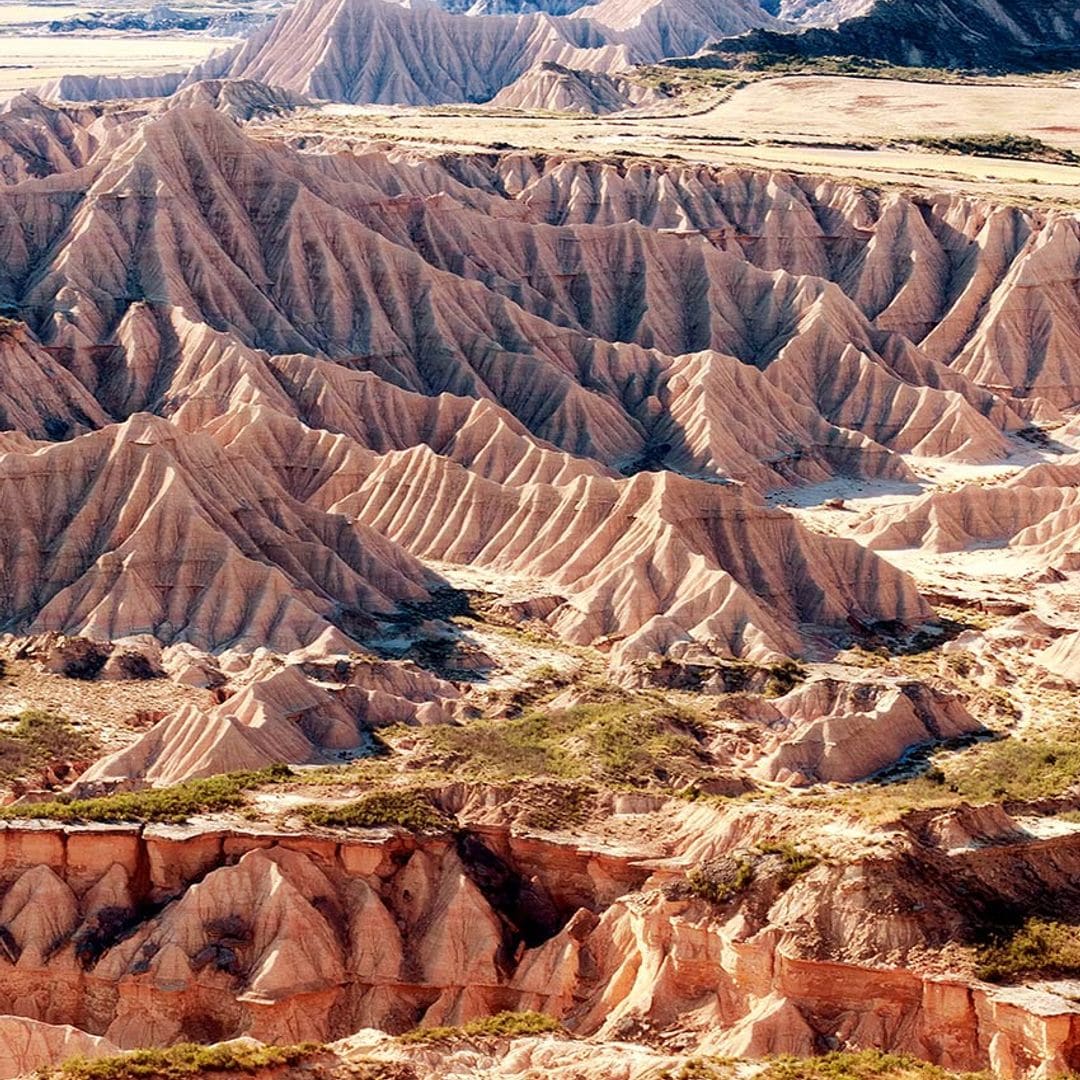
(541,541)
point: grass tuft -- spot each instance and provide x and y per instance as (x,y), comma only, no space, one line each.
(859,1065)
(35,738)
(1039,946)
(721,880)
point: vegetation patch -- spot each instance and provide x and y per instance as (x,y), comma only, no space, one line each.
(1022,147)
(858,1065)
(721,880)
(169,805)
(765,62)
(1005,770)
(36,738)
(701,1068)
(794,862)
(504,1025)
(407,809)
(1039,946)
(185,1059)
(635,743)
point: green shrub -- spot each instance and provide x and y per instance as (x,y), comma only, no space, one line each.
(794,862)
(631,743)
(169,805)
(721,880)
(407,809)
(1039,946)
(857,1065)
(783,678)
(37,737)
(1023,147)
(185,1059)
(502,1025)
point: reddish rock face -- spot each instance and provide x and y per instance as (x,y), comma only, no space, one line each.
(337,442)
(194,935)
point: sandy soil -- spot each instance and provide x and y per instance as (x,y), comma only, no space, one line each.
(769,124)
(29,60)
(846,109)
(112,710)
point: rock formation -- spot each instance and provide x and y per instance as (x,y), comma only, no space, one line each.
(29,1045)
(287,938)
(995,35)
(371,51)
(549,86)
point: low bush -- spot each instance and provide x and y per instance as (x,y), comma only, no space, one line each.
(1023,147)
(721,880)
(168,805)
(618,742)
(35,738)
(408,809)
(185,1059)
(501,1025)
(1039,946)
(794,862)
(858,1065)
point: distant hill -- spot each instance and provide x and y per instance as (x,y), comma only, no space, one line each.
(994,35)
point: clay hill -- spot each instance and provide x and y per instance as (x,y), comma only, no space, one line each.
(420,54)
(551,86)
(516,343)
(988,35)
(625,595)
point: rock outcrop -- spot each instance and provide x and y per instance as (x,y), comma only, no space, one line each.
(29,1045)
(994,35)
(832,731)
(287,938)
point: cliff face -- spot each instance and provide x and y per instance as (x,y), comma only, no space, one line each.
(153,935)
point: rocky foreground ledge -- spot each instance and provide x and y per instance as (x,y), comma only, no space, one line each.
(141,936)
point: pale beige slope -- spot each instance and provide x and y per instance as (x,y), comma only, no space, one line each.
(553,88)
(1029,339)
(719,417)
(36,140)
(991,288)
(29,1045)
(240,99)
(279,714)
(1037,511)
(331,283)
(292,253)
(655,562)
(710,416)
(368,51)
(142,529)
(38,398)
